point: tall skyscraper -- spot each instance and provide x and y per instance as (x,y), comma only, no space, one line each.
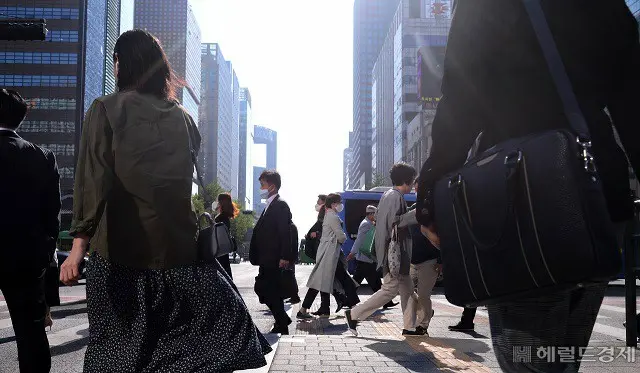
(235,132)
(415,42)
(49,75)
(61,76)
(103,29)
(174,24)
(264,135)
(371,23)
(245,172)
(219,119)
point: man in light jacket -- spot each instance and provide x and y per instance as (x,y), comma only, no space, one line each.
(392,211)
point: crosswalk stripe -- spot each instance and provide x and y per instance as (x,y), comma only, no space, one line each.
(613,308)
(68,335)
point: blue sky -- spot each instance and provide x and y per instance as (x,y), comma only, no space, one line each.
(296,58)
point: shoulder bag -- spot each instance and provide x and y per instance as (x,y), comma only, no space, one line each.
(527,217)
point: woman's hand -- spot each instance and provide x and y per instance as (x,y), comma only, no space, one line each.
(314,235)
(431,235)
(70,269)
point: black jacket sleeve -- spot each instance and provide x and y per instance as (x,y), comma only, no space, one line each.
(52,200)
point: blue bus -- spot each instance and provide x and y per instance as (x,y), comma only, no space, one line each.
(355,203)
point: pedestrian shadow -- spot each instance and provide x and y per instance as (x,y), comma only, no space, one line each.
(7,339)
(66,348)
(422,354)
(60,314)
(473,334)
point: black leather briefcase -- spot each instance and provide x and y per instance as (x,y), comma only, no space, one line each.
(528,216)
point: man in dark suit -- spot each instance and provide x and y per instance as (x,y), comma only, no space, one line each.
(29,225)
(271,248)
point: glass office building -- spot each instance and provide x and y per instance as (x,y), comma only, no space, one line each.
(245,169)
(219,119)
(49,75)
(174,24)
(371,21)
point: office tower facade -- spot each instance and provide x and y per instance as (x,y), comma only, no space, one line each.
(245,167)
(49,75)
(382,115)
(235,133)
(268,137)
(418,33)
(174,24)
(219,119)
(371,23)
(61,76)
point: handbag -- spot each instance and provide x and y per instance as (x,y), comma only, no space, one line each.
(214,239)
(394,256)
(527,217)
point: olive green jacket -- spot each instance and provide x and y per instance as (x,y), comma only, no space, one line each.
(133,183)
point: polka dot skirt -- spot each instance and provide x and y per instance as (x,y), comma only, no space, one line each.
(189,319)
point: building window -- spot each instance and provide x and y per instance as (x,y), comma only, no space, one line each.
(66,172)
(38,80)
(51,103)
(39,58)
(47,126)
(61,149)
(47,13)
(62,36)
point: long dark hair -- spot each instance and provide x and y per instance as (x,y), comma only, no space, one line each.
(143,65)
(227,207)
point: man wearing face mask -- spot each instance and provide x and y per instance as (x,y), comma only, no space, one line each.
(271,248)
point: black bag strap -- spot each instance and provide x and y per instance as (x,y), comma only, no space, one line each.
(194,159)
(563,85)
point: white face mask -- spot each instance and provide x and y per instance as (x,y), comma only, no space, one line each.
(340,207)
(214,206)
(318,208)
(264,193)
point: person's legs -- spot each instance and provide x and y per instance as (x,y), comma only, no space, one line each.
(350,291)
(360,273)
(26,302)
(308,299)
(426,276)
(272,296)
(583,314)
(325,303)
(373,279)
(408,302)
(526,329)
(387,292)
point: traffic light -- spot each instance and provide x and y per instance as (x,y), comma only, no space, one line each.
(23,29)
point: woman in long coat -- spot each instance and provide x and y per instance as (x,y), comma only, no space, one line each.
(323,277)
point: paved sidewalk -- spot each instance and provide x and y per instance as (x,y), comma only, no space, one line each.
(326,345)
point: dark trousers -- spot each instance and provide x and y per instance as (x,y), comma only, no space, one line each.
(225,264)
(24,294)
(368,271)
(562,319)
(350,297)
(271,296)
(311,296)
(468,315)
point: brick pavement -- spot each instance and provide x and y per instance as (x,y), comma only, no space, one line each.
(326,345)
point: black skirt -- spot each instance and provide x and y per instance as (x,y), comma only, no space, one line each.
(188,319)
